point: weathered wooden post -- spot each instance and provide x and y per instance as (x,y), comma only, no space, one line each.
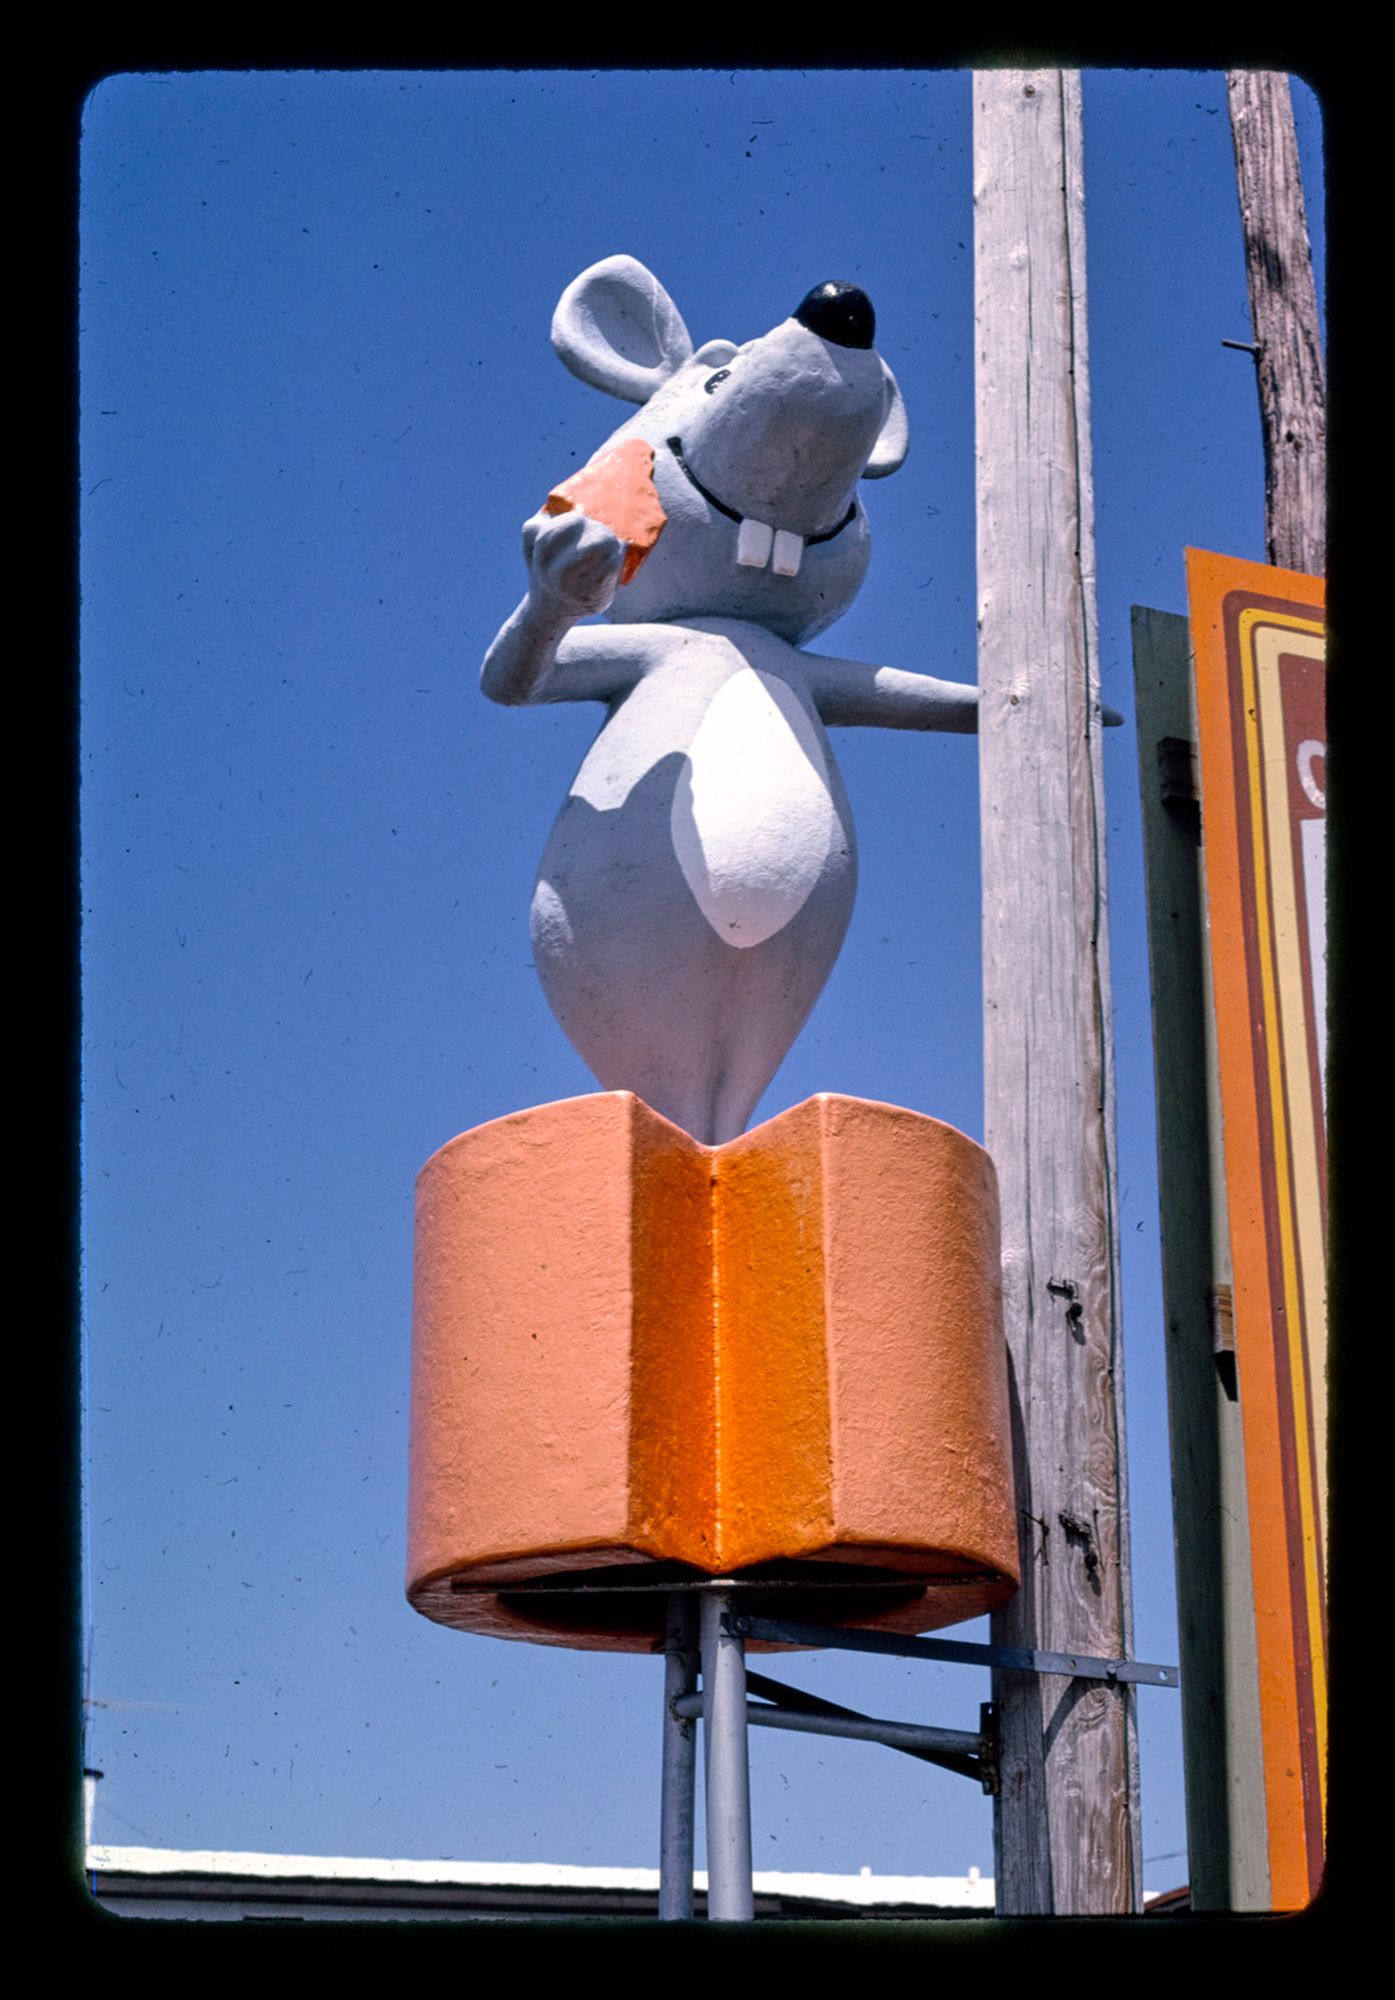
(1067,1830)
(1283,311)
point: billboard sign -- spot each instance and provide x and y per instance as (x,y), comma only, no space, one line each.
(1258,642)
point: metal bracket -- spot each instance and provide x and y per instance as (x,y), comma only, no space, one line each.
(727,1711)
(784,1707)
(1009,1659)
(989,1768)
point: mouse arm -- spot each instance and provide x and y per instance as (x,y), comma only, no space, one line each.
(574,565)
(851,694)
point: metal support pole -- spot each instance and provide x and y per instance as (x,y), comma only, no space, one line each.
(676,1806)
(729,1892)
(857,1728)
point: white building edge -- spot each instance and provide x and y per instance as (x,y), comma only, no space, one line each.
(157,1882)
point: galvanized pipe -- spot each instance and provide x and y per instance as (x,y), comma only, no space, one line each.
(679,1766)
(862,1729)
(729,1891)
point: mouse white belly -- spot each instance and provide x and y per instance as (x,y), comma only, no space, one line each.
(753,819)
(697,885)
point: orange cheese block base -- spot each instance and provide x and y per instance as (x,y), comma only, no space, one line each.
(781,1358)
(617,489)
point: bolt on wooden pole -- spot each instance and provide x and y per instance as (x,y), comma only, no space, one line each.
(1066,1818)
(1284,316)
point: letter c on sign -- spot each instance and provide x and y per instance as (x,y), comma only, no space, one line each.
(1307,753)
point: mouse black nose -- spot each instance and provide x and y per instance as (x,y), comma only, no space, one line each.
(840,313)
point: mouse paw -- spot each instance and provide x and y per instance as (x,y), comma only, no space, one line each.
(573,561)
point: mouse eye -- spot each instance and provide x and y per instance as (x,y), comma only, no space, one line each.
(721,375)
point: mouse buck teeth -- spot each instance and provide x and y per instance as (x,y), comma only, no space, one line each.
(789,551)
(755,541)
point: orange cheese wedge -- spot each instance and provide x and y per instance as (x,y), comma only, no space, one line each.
(617,489)
(630,1349)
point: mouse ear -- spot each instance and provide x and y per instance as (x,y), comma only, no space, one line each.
(894,437)
(617,328)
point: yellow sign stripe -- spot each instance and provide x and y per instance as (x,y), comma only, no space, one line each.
(1294,1006)
(1249,619)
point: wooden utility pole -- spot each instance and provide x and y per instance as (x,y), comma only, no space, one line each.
(1067,1827)
(1284,316)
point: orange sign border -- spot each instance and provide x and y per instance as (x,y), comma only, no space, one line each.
(1273,1222)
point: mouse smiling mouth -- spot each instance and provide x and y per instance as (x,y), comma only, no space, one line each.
(760,542)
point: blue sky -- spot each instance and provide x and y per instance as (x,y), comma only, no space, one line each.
(318,401)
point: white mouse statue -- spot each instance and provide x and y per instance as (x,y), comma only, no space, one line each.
(699,879)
